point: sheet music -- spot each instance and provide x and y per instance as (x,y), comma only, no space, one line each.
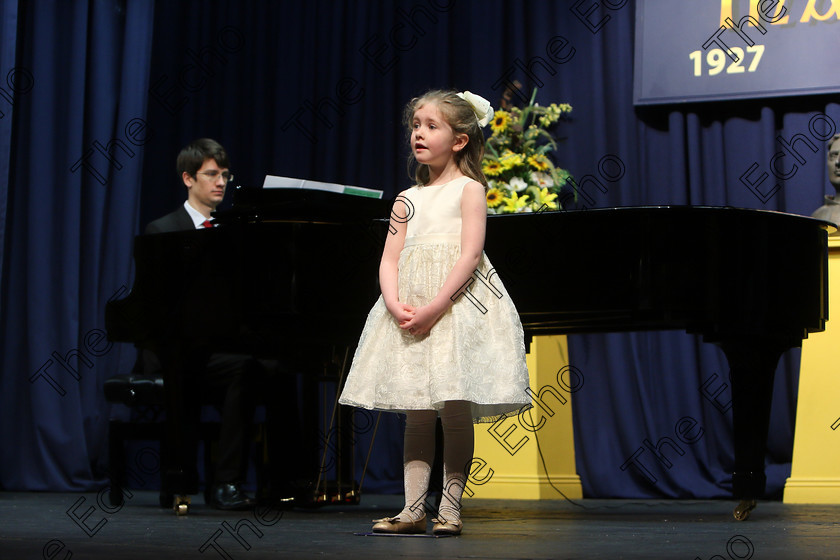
(275,182)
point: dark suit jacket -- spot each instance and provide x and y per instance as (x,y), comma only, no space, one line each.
(179,220)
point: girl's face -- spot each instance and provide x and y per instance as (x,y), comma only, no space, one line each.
(432,139)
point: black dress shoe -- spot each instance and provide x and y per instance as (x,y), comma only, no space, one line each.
(230,496)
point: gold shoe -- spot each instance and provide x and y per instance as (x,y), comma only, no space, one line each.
(447,527)
(394,525)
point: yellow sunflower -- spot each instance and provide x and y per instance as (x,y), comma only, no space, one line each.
(494,197)
(492,167)
(500,122)
(538,162)
(510,159)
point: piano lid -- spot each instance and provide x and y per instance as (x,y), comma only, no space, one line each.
(301,205)
(690,210)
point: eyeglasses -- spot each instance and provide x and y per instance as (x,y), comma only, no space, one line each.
(213,175)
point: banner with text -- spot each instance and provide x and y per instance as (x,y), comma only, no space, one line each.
(735,49)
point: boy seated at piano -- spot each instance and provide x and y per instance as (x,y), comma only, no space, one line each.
(229,381)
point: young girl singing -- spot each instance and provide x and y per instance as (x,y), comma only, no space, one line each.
(444,337)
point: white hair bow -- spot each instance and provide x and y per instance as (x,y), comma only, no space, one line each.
(480,106)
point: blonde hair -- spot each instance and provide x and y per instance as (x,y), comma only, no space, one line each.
(460,116)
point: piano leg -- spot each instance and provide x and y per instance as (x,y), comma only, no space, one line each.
(338,445)
(752,366)
(182,414)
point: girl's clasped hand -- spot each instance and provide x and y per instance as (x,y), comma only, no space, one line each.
(416,320)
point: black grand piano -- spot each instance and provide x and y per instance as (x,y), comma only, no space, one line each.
(288,267)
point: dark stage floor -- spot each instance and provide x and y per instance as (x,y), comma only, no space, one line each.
(37,525)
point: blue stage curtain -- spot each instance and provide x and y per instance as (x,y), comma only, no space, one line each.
(72,213)
(14,82)
(315,90)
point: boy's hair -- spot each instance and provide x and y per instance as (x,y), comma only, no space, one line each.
(192,156)
(460,116)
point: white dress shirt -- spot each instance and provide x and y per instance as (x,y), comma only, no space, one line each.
(197,217)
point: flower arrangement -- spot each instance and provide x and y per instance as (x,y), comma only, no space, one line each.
(521,176)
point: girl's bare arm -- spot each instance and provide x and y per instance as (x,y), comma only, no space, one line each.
(389,264)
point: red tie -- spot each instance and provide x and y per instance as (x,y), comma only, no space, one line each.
(207,223)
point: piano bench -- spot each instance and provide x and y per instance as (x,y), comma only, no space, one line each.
(143,394)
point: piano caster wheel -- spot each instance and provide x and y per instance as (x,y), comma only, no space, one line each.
(743,509)
(181,505)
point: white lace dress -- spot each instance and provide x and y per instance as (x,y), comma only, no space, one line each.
(476,350)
